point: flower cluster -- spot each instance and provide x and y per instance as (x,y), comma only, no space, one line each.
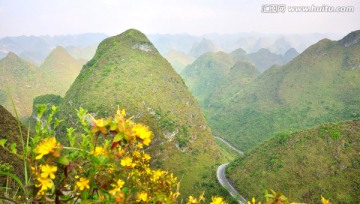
(106,161)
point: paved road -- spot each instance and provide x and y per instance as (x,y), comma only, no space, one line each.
(220,174)
(230,145)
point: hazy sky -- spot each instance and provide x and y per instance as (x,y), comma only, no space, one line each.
(57,17)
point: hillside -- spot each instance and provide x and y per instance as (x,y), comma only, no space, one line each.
(59,71)
(24,81)
(19,79)
(214,77)
(321,161)
(9,130)
(320,85)
(128,72)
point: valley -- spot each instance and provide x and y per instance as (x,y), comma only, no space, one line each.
(287,113)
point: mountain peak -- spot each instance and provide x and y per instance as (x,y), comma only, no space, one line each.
(205,45)
(12,55)
(130,39)
(350,39)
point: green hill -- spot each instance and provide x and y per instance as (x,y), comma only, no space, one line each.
(304,165)
(238,77)
(128,72)
(24,81)
(215,74)
(320,85)
(264,59)
(59,71)
(206,73)
(19,79)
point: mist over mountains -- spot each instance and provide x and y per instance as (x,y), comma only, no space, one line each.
(36,48)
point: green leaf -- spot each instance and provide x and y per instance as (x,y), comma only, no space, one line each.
(15,178)
(13,148)
(63,160)
(113,126)
(53,109)
(118,137)
(57,122)
(2,142)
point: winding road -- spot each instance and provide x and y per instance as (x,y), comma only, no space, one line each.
(220,174)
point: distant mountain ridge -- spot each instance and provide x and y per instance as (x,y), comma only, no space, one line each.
(212,75)
(24,81)
(37,48)
(320,85)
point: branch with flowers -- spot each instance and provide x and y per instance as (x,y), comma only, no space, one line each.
(104,162)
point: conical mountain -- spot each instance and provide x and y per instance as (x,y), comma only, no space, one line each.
(59,71)
(128,72)
(290,54)
(263,59)
(321,161)
(320,85)
(19,79)
(204,46)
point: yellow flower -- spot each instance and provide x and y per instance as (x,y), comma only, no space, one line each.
(192,200)
(122,113)
(143,133)
(324,200)
(156,175)
(139,145)
(217,200)
(99,151)
(48,171)
(143,196)
(99,122)
(136,154)
(147,157)
(127,162)
(45,147)
(174,195)
(119,152)
(202,198)
(45,183)
(117,187)
(83,183)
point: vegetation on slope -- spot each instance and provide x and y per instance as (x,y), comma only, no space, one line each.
(9,130)
(59,71)
(320,85)
(24,81)
(304,165)
(127,71)
(18,79)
